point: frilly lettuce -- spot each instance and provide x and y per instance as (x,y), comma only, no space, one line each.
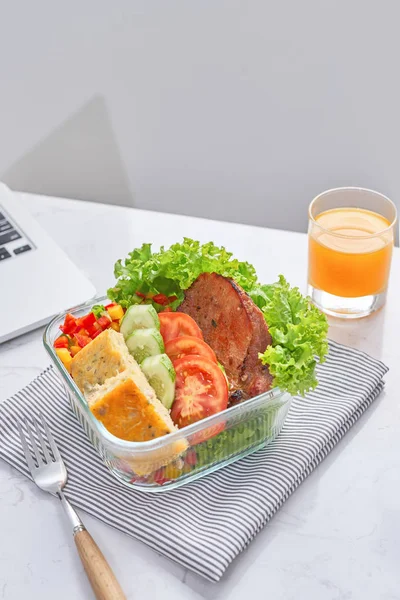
(171,272)
(298,329)
(299,336)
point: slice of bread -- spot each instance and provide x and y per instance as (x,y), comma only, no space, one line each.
(128,409)
(132,415)
(106,356)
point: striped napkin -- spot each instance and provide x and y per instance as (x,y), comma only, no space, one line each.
(206,524)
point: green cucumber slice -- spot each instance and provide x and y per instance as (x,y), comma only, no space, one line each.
(145,342)
(139,316)
(161,376)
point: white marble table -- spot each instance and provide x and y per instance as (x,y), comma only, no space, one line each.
(337,538)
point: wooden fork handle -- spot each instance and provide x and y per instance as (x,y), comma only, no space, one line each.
(102,579)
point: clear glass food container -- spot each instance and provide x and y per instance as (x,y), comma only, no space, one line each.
(177,458)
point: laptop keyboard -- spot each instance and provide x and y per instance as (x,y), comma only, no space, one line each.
(13,242)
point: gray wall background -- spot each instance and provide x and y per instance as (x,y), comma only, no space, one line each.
(240,110)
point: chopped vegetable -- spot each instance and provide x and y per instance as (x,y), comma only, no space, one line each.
(159,477)
(82,340)
(98,310)
(88,321)
(65,357)
(116,312)
(79,332)
(190,458)
(61,342)
(70,324)
(94,329)
(104,321)
(172,471)
(162,299)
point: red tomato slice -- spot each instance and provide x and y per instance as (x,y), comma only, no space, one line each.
(184,345)
(175,324)
(200,391)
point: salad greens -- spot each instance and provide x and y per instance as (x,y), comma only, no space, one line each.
(298,329)
(299,334)
(171,272)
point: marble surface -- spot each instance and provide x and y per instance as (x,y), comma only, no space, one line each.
(335,539)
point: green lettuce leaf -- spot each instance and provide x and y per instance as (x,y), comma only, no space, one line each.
(298,329)
(171,272)
(299,337)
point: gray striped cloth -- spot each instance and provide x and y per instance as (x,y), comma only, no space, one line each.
(206,524)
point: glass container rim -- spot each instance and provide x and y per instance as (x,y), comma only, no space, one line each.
(352,237)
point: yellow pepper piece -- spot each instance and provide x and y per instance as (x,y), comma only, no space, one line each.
(171,471)
(116,312)
(74,350)
(114,325)
(65,357)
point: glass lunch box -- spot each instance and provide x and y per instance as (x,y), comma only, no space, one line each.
(185,455)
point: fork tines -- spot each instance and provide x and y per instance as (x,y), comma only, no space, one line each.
(36,429)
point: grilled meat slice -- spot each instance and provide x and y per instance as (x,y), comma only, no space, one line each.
(235,329)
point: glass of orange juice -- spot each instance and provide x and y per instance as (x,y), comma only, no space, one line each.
(350,240)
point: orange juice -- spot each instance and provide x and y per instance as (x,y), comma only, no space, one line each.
(350,251)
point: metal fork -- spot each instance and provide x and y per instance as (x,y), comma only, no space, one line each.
(50,474)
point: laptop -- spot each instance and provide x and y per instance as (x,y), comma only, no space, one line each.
(37,279)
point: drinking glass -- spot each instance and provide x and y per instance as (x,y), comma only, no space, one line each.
(350,240)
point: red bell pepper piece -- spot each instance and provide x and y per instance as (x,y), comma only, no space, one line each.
(161,299)
(159,477)
(191,457)
(70,324)
(88,321)
(82,331)
(61,342)
(94,330)
(82,340)
(96,333)
(110,305)
(140,294)
(104,321)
